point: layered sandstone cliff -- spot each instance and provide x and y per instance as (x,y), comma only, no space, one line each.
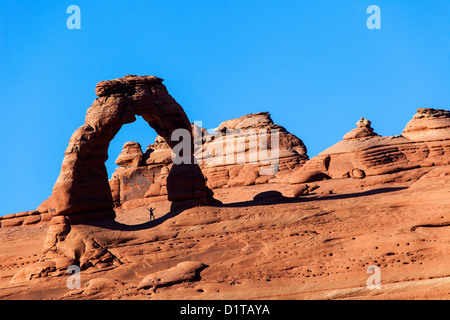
(424,142)
(240,152)
(261,240)
(141,177)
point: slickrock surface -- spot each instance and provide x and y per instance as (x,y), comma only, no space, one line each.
(317,246)
(300,229)
(363,129)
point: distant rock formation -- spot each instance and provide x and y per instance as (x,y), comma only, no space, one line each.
(428,124)
(131,155)
(245,164)
(223,162)
(363,129)
(424,142)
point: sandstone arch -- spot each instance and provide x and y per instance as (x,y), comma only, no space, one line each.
(81,191)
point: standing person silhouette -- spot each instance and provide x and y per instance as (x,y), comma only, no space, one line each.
(151,213)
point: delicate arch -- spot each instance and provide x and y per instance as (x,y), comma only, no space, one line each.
(82,186)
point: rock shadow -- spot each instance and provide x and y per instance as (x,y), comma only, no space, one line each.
(261,199)
(115,225)
(275,197)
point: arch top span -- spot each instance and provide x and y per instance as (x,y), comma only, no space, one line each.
(82,186)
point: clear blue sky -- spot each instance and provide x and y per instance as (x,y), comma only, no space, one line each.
(313,64)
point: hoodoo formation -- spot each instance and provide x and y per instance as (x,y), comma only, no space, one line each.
(280,225)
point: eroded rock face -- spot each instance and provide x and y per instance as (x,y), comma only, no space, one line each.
(82,185)
(131,155)
(158,153)
(249,128)
(249,150)
(428,124)
(184,271)
(222,164)
(363,129)
(424,142)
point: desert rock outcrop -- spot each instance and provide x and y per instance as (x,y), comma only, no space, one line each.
(82,185)
(269,239)
(363,129)
(131,155)
(238,153)
(428,124)
(424,142)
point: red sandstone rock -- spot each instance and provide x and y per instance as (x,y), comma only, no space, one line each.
(158,152)
(363,130)
(45,206)
(424,142)
(358,174)
(37,270)
(218,163)
(301,190)
(428,124)
(154,190)
(12,222)
(301,176)
(131,155)
(256,250)
(238,141)
(398,219)
(184,271)
(83,184)
(32,220)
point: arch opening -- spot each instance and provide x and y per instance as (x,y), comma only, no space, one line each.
(82,192)
(138,131)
